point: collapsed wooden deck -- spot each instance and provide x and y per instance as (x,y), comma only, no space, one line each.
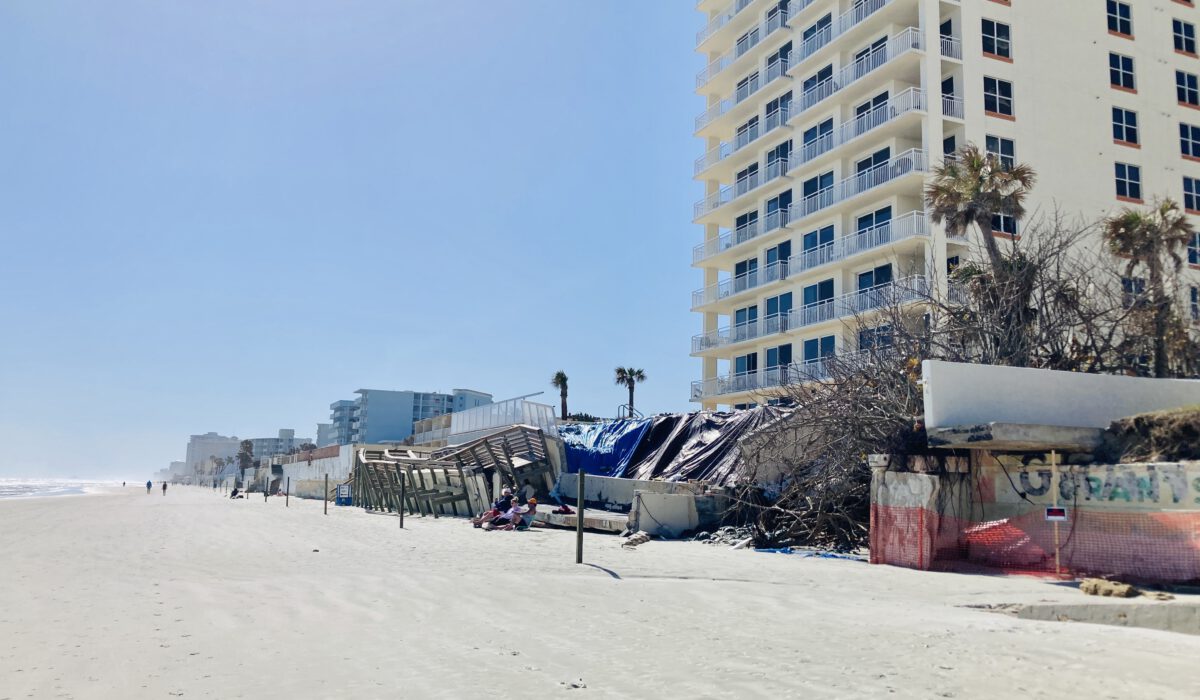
(457,481)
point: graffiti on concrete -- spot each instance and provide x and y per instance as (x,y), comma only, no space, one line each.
(1150,485)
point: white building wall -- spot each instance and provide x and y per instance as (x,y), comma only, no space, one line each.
(1061,125)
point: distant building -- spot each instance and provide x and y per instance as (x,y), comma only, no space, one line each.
(378,416)
(341,416)
(281,445)
(326,434)
(201,447)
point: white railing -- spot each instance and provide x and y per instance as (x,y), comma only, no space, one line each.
(953,107)
(951,47)
(844,23)
(743,186)
(911,161)
(903,227)
(770,378)
(770,74)
(752,38)
(721,19)
(908,40)
(739,333)
(912,99)
(729,239)
(742,283)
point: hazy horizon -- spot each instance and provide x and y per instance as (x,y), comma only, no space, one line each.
(225,216)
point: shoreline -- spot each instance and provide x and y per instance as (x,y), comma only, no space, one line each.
(128,596)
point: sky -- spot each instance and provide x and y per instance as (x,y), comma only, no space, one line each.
(225,215)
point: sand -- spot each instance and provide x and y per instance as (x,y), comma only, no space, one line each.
(124,595)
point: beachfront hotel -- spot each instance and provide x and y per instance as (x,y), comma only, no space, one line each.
(822,122)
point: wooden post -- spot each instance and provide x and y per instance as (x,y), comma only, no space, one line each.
(287,493)
(401,508)
(579,520)
(326,494)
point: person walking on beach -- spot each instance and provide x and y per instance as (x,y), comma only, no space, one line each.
(164,488)
(148,486)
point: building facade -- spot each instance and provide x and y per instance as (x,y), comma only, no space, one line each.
(326,435)
(201,448)
(379,416)
(822,122)
(283,443)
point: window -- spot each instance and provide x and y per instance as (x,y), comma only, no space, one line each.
(746,364)
(1002,150)
(1194,250)
(746,226)
(746,133)
(1189,140)
(778,210)
(878,337)
(1120,72)
(744,317)
(781,56)
(948,146)
(876,219)
(1195,304)
(818,184)
(1187,88)
(780,356)
(817,79)
(998,96)
(779,305)
(818,239)
(818,293)
(1133,291)
(1004,224)
(1129,182)
(1120,18)
(874,278)
(996,39)
(816,349)
(1185,36)
(821,27)
(951,264)
(878,159)
(1125,128)
(779,253)
(1191,201)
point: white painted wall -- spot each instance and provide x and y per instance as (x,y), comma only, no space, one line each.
(965,394)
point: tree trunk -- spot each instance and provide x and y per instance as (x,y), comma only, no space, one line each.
(563,395)
(631,399)
(989,244)
(1161,309)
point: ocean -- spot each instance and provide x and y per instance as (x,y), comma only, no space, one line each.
(40,488)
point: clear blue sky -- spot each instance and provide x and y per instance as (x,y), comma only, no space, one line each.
(225,215)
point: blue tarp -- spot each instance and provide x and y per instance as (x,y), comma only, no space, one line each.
(603,449)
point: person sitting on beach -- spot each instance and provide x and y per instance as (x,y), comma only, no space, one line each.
(512,517)
(235,493)
(523,518)
(501,506)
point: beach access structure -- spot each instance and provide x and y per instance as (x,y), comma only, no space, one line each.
(456,481)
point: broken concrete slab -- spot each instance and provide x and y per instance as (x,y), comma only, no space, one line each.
(1015,437)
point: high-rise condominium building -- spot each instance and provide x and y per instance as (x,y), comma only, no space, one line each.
(824,117)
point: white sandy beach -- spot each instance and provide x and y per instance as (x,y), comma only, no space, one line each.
(124,595)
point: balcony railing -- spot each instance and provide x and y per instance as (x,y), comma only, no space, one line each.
(721,19)
(770,378)
(911,161)
(910,100)
(752,38)
(768,124)
(742,92)
(744,282)
(743,186)
(951,47)
(907,226)
(908,40)
(773,220)
(844,23)
(953,107)
(738,333)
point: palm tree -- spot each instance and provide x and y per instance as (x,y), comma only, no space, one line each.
(972,187)
(559,381)
(1154,239)
(628,377)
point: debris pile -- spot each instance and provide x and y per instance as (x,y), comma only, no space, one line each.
(1161,436)
(727,536)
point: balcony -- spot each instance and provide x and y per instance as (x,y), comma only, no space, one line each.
(731,335)
(951,48)
(911,100)
(910,225)
(744,186)
(953,107)
(906,41)
(745,282)
(770,378)
(845,22)
(772,221)
(721,19)
(743,46)
(765,126)
(763,78)
(911,161)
